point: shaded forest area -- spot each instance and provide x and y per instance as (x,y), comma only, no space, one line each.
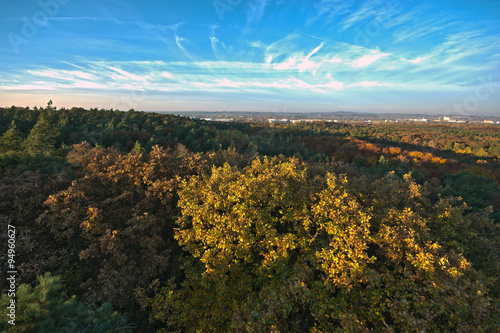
(134,221)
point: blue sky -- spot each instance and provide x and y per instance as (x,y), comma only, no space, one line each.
(431,57)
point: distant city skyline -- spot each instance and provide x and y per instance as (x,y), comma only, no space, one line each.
(427,57)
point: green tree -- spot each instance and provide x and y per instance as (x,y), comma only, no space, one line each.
(42,138)
(49,106)
(477,191)
(46,308)
(12,139)
(138,148)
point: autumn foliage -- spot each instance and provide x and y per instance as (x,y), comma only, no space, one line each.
(185,226)
(280,247)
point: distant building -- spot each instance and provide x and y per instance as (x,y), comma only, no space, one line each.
(273,120)
(218,119)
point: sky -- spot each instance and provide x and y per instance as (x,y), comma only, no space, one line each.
(394,56)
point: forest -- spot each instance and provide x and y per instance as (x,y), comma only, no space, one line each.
(142,222)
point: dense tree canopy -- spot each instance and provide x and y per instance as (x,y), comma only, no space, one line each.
(277,246)
(186,225)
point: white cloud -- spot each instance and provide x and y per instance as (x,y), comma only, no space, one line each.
(369,84)
(421,28)
(331,9)
(416,60)
(128,75)
(368,59)
(178,41)
(88,85)
(333,85)
(45,73)
(296,64)
(385,13)
(167,75)
(32,86)
(257,44)
(80,74)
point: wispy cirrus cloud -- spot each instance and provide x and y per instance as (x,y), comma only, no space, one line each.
(417,60)
(461,45)
(329,10)
(179,40)
(63,74)
(424,28)
(285,65)
(262,50)
(385,13)
(255,12)
(126,75)
(366,10)
(459,52)
(317,66)
(368,59)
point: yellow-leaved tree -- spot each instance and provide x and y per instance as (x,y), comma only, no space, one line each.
(280,246)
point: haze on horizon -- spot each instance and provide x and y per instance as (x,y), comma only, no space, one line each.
(430,57)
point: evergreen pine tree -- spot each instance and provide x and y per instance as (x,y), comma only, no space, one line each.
(12,140)
(47,308)
(41,139)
